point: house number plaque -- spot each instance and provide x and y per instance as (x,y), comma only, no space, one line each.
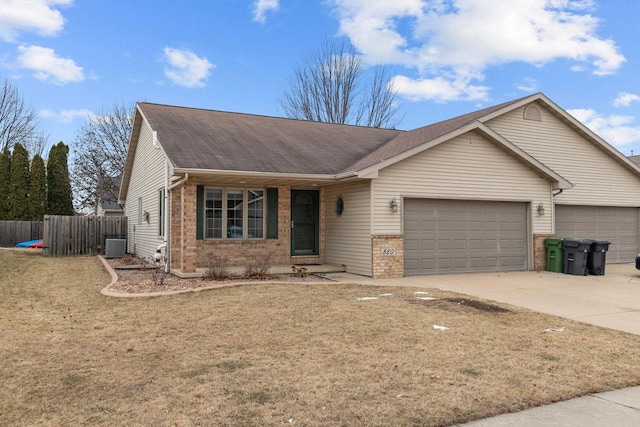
(388,251)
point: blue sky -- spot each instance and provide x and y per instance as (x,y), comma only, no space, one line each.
(70,59)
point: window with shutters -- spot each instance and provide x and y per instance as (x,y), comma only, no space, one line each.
(232,213)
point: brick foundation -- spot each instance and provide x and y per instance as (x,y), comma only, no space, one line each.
(540,252)
(387,266)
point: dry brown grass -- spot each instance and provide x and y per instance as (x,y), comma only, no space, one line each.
(268,354)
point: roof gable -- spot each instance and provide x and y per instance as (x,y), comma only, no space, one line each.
(558,181)
(408,140)
(422,138)
(570,121)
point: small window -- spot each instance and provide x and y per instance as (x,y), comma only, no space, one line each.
(532,112)
(339,205)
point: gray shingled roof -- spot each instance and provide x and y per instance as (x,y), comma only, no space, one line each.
(216,140)
(634,159)
(205,139)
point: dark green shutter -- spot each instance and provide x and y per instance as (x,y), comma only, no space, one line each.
(199,212)
(272,213)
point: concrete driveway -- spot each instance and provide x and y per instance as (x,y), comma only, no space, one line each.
(611,301)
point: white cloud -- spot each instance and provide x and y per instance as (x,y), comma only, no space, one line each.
(460,39)
(625,99)
(49,67)
(527,84)
(39,16)
(615,129)
(261,7)
(438,89)
(66,116)
(187,69)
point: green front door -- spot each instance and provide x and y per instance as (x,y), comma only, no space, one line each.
(305,222)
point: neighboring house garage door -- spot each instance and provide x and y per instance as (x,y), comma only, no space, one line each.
(451,236)
(617,225)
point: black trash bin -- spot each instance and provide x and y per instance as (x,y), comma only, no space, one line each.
(597,258)
(575,256)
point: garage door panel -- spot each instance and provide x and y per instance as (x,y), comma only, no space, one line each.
(468,236)
(618,225)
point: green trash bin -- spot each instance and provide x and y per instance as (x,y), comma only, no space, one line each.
(555,256)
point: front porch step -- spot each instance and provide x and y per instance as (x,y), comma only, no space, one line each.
(276,269)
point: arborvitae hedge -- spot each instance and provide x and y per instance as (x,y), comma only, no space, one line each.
(5,178)
(59,198)
(38,189)
(19,185)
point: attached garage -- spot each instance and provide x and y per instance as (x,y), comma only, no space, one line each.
(454,236)
(618,225)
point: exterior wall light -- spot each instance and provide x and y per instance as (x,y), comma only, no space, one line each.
(540,209)
(393,205)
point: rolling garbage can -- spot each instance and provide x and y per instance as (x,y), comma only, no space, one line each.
(555,257)
(597,258)
(575,256)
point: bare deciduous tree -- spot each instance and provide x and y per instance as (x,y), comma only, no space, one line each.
(330,87)
(100,150)
(17,120)
(38,143)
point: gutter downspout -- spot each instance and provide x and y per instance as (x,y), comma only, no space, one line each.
(553,210)
(167,267)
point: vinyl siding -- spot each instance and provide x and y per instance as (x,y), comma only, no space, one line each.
(147,177)
(348,237)
(598,178)
(465,168)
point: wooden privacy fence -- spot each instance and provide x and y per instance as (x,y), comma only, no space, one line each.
(80,235)
(14,232)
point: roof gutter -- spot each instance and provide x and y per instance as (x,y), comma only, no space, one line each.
(272,175)
(179,182)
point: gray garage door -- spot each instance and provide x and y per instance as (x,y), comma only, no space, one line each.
(451,236)
(617,225)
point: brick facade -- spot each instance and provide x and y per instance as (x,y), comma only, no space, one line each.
(183,226)
(540,252)
(239,251)
(387,266)
(189,253)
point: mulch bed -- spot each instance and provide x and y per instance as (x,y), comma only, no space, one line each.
(135,277)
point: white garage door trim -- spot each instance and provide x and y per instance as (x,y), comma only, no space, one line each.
(618,225)
(456,236)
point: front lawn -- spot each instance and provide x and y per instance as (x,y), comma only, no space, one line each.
(274,354)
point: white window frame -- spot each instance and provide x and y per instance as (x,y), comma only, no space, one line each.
(245,213)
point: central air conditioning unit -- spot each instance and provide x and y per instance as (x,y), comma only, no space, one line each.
(115,248)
